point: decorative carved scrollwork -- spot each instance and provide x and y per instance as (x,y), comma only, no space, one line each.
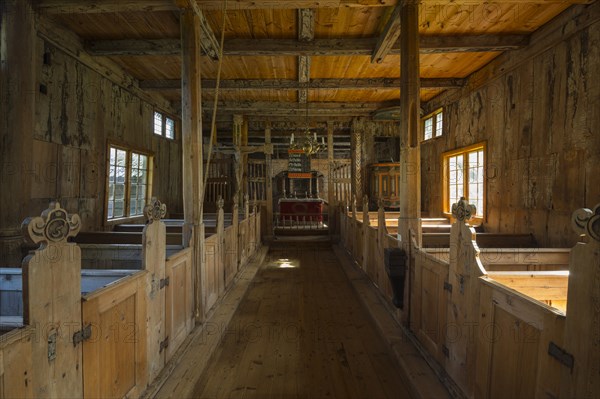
(379,203)
(155,210)
(53,226)
(220,203)
(463,211)
(587,222)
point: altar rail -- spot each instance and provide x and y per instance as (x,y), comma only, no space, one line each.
(106,333)
(501,322)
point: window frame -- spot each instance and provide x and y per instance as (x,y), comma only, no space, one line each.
(129,150)
(465,151)
(163,127)
(435,132)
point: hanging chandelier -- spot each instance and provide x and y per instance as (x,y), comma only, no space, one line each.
(309,143)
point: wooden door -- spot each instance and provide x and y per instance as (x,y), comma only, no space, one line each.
(114,355)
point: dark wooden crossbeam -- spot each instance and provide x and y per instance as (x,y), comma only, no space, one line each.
(291,47)
(289,84)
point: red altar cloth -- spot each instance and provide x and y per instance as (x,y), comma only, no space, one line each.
(301,209)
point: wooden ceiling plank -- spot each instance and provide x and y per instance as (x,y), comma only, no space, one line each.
(318,47)
(288,84)
(389,36)
(108,6)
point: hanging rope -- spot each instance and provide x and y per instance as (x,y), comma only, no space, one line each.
(213,124)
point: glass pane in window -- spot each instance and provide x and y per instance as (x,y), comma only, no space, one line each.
(132,207)
(110,210)
(439,124)
(133,191)
(141,205)
(143,162)
(428,129)
(158,123)
(142,192)
(119,208)
(119,191)
(143,176)
(111,191)
(120,172)
(113,156)
(121,157)
(135,160)
(170,128)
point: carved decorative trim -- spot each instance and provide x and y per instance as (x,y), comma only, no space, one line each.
(155,210)
(55,225)
(587,222)
(379,203)
(220,203)
(463,211)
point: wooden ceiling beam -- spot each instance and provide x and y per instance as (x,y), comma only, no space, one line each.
(306,34)
(108,6)
(388,37)
(289,84)
(210,45)
(295,109)
(318,47)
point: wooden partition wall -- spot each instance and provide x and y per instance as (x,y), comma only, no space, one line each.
(113,341)
(525,328)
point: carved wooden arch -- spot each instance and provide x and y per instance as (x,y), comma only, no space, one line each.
(54,226)
(587,222)
(155,211)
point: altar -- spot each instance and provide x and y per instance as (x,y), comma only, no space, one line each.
(308,210)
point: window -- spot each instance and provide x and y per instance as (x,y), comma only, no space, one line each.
(464,177)
(164,126)
(433,125)
(128,183)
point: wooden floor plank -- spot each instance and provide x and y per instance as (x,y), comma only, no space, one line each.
(310,336)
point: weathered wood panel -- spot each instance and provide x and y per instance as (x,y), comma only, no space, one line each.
(115,358)
(78,111)
(533,107)
(179,298)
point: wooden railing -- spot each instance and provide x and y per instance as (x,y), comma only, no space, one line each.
(501,322)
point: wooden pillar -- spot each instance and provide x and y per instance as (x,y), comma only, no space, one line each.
(269,182)
(245,186)
(192,149)
(332,207)
(410,179)
(357,175)
(238,121)
(17,102)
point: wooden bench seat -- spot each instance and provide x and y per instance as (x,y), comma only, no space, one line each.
(119,237)
(11,290)
(484,240)
(116,256)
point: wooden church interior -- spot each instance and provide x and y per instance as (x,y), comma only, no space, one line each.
(156,154)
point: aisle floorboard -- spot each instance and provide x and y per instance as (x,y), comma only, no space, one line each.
(301,332)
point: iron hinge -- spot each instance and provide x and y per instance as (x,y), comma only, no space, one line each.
(446,351)
(561,355)
(82,335)
(164,282)
(164,345)
(447,286)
